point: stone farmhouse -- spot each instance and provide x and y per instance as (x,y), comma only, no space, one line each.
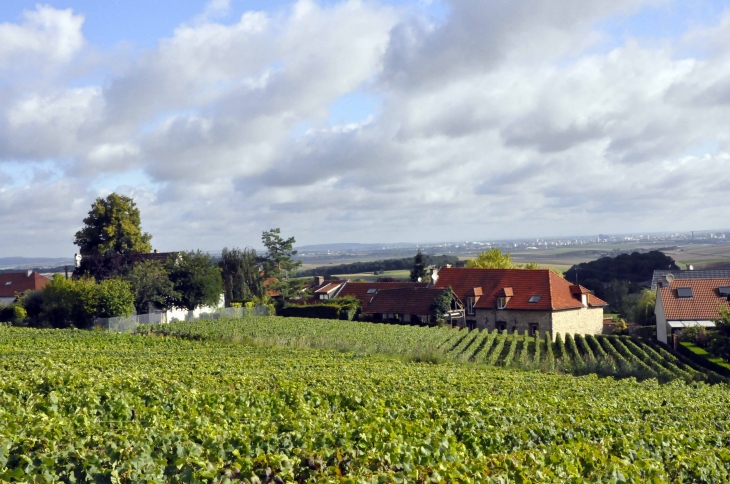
(523,300)
(684,303)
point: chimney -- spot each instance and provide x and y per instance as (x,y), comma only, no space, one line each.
(156,251)
(448,266)
(318,280)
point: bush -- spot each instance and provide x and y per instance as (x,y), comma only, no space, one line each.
(75,303)
(694,334)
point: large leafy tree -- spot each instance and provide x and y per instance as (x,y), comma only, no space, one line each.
(113,225)
(279,254)
(492,259)
(418,271)
(495,259)
(151,286)
(196,279)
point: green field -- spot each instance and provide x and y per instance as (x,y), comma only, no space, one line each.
(210,406)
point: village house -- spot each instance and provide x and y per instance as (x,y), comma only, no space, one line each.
(13,283)
(523,300)
(683,303)
(662,278)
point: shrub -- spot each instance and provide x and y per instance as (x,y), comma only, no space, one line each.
(75,303)
(559,347)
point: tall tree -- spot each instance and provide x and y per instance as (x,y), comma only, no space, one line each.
(151,286)
(279,254)
(241,274)
(113,225)
(196,279)
(418,271)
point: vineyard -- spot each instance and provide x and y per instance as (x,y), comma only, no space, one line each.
(82,406)
(617,356)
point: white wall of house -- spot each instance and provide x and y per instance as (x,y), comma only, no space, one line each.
(184,314)
(7,300)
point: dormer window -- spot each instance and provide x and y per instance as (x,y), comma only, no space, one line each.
(501,303)
(684,292)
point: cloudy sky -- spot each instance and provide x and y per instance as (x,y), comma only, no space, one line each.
(363,121)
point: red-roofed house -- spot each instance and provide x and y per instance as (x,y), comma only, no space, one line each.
(12,283)
(405,304)
(518,299)
(689,302)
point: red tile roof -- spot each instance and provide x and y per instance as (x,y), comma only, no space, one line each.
(12,283)
(404,300)
(704,304)
(360,289)
(555,291)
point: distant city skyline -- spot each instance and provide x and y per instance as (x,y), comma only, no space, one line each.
(365,121)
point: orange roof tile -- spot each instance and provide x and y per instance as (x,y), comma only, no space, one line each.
(404,300)
(12,283)
(360,289)
(705,302)
(555,291)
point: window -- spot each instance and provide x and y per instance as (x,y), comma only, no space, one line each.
(535,298)
(8,283)
(533,327)
(724,291)
(324,296)
(470,305)
(684,292)
(372,290)
(501,303)
(501,325)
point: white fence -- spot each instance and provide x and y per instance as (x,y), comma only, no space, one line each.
(128,324)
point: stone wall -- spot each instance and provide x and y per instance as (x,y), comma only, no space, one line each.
(573,321)
(578,321)
(515,320)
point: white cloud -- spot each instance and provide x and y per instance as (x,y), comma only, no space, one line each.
(46,35)
(502,119)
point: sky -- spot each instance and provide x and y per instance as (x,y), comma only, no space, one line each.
(362,121)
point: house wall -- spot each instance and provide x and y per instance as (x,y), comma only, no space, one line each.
(661,319)
(585,320)
(516,320)
(573,321)
(7,300)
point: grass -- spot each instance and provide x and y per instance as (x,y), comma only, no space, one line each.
(705,354)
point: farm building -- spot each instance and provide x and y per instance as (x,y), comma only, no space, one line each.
(523,300)
(689,302)
(405,304)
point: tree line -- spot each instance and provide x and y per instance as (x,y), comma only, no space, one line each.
(117,275)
